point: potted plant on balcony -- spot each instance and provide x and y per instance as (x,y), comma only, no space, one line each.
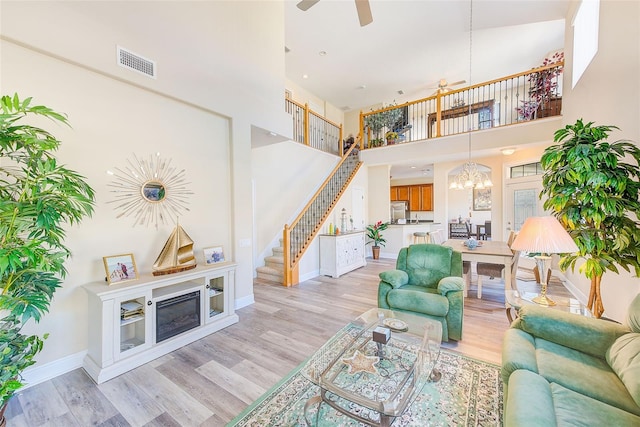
(37,197)
(595,194)
(543,91)
(391,137)
(374,233)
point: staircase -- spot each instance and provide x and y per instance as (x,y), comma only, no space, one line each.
(273,270)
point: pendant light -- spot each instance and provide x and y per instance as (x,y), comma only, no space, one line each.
(470,176)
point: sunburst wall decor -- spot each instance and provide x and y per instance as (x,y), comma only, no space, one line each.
(150,190)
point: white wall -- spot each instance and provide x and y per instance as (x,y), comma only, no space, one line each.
(607,94)
(285,176)
(105,133)
(198,112)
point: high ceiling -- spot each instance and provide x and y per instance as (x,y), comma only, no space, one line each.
(411,45)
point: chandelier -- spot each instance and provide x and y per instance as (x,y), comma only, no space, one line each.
(470,176)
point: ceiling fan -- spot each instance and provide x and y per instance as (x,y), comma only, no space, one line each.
(444,86)
(362,6)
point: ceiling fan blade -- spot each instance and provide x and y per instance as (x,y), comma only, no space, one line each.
(364,12)
(457,83)
(306,4)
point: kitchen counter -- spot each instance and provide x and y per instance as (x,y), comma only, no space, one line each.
(399,236)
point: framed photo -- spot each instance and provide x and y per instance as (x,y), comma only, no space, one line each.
(213,255)
(120,268)
(482,199)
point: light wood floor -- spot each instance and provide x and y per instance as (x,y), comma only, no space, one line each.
(209,382)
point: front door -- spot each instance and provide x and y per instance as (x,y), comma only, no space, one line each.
(522,200)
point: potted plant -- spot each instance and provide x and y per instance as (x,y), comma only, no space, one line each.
(37,197)
(375,236)
(594,193)
(391,137)
(384,119)
(543,88)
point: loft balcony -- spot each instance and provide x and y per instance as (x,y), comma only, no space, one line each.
(512,100)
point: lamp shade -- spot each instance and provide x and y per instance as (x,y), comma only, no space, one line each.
(543,234)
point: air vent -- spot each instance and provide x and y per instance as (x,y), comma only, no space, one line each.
(135,62)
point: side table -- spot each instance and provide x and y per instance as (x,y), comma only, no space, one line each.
(514,300)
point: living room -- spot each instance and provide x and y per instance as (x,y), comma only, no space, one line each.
(62,55)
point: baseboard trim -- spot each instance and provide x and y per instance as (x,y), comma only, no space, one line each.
(573,289)
(40,373)
(309,276)
(244,301)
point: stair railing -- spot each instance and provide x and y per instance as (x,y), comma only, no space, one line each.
(298,236)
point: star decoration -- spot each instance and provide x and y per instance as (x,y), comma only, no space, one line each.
(359,362)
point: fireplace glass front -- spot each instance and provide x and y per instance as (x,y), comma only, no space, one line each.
(177,315)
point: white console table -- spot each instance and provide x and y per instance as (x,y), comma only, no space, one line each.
(342,253)
(122,317)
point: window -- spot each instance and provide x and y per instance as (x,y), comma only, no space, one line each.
(526,170)
(585,37)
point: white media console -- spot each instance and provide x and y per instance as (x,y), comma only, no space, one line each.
(137,321)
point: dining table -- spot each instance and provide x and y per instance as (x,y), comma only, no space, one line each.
(491,251)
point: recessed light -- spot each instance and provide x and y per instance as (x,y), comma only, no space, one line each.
(362,87)
(508,151)
(305,76)
(322,53)
(413,167)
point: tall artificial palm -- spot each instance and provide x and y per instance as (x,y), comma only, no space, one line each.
(593,192)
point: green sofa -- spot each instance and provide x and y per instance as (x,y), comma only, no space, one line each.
(563,369)
(428,282)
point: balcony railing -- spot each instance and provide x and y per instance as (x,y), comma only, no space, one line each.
(311,129)
(513,99)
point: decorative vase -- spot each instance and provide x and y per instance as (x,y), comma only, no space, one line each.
(472,243)
(376,252)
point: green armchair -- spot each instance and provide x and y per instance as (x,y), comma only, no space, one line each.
(428,282)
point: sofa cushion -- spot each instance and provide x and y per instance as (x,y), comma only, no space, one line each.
(428,265)
(533,401)
(633,318)
(418,299)
(624,359)
(574,409)
(582,373)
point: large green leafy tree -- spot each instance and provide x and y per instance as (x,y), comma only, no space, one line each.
(37,197)
(592,187)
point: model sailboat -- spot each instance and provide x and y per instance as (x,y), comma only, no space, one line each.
(176,255)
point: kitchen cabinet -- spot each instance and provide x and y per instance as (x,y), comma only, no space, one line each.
(341,253)
(420,196)
(415,202)
(426,197)
(403,192)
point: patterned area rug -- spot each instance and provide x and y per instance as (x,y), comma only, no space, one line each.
(468,394)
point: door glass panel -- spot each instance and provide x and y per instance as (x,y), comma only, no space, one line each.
(524,206)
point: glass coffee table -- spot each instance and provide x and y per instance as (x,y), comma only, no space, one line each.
(374,367)
(514,300)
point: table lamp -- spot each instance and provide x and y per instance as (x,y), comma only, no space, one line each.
(546,236)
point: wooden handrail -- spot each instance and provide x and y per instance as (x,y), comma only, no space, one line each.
(437,98)
(291,266)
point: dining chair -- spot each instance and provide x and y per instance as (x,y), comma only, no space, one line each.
(496,270)
(484,231)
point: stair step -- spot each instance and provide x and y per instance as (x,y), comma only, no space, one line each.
(274,259)
(278,250)
(270,274)
(275,266)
